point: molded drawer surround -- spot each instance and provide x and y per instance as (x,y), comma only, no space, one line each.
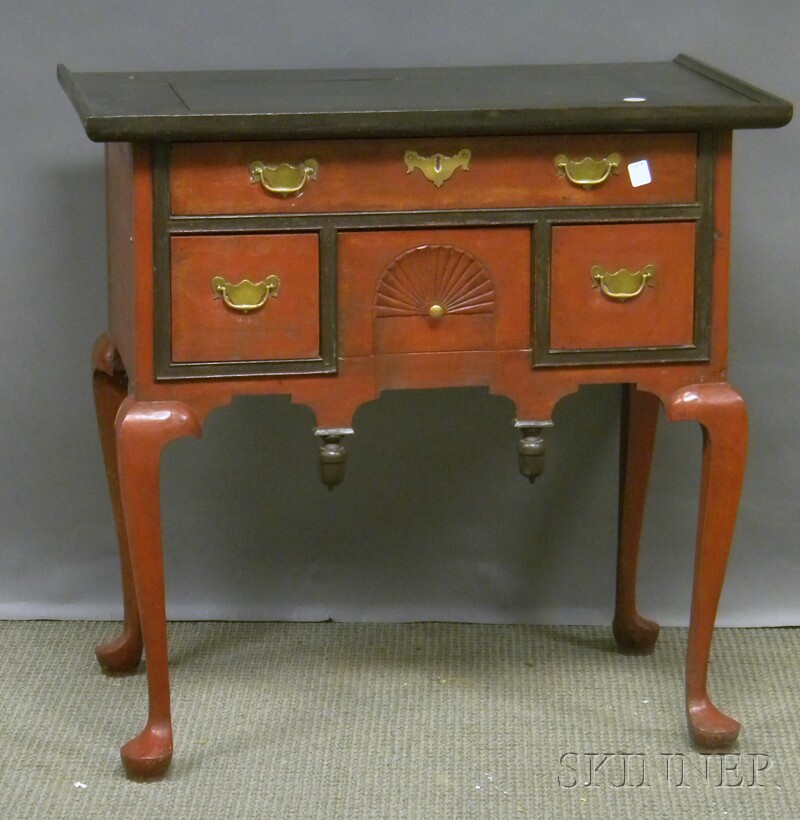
(622,286)
(205,328)
(372,175)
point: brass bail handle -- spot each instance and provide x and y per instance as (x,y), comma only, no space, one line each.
(245,296)
(284,179)
(623,284)
(588,172)
(438,168)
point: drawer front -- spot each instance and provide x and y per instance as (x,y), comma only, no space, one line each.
(420,291)
(617,287)
(381,175)
(217,318)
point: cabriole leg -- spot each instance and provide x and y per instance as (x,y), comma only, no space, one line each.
(632,632)
(143,430)
(110,382)
(723,416)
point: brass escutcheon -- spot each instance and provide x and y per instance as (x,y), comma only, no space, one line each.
(623,284)
(246,295)
(587,172)
(438,168)
(283,179)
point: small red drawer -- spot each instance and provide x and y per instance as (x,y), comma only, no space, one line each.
(657,259)
(435,290)
(206,329)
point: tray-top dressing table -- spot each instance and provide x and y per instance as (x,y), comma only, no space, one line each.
(331,235)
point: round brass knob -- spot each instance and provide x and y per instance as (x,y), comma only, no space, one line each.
(436,311)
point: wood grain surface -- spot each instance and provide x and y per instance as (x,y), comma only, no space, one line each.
(371,175)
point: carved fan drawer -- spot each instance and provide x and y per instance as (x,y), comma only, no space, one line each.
(420,291)
(622,286)
(429,173)
(245,298)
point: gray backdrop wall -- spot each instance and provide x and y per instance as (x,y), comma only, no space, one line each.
(433,521)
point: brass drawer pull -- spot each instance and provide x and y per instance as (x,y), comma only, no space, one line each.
(438,168)
(588,172)
(283,179)
(623,284)
(246,295)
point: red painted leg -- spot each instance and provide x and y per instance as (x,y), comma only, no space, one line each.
(722,413)
(143,430)
(123,653)
(632,632)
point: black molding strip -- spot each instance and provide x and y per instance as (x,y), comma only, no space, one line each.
(431,219)
(704,243)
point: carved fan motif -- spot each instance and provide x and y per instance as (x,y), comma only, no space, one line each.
(434,275)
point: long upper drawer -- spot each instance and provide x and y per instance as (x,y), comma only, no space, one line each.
(431,173)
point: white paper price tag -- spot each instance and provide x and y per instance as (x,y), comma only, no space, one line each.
(639,172)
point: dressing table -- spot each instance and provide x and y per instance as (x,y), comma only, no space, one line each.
(333,234)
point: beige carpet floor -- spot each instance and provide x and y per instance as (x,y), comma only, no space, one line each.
(429,721)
